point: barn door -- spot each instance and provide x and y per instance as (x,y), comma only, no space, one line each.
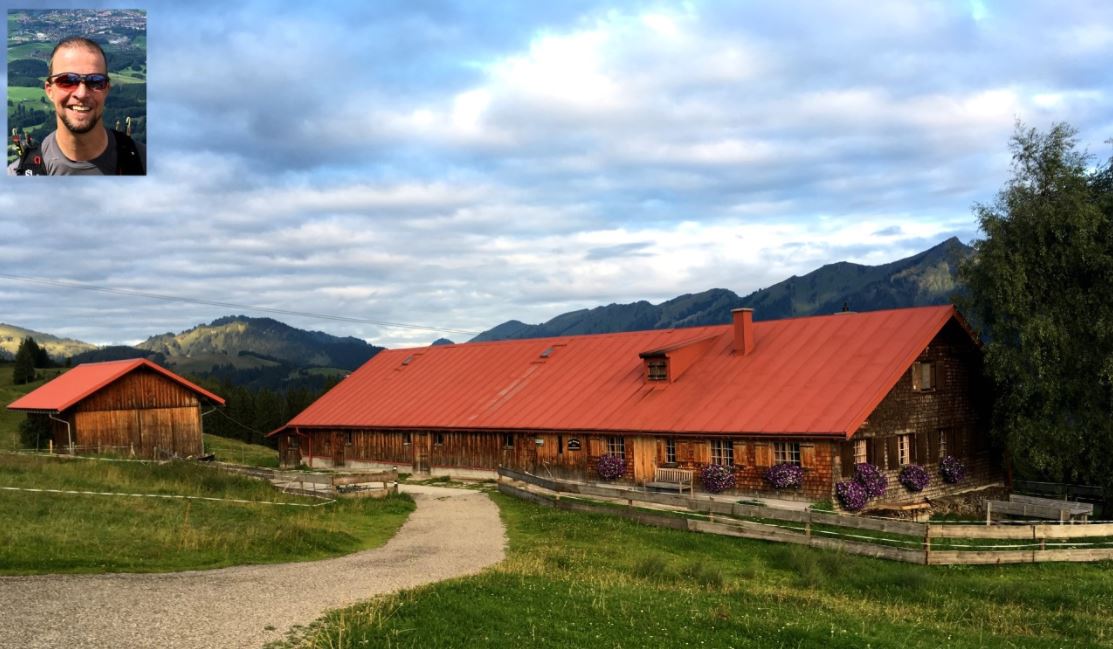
(339,446)
(645,459)
(422,446)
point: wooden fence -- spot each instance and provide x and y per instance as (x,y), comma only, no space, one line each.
(319,484)
(897,540)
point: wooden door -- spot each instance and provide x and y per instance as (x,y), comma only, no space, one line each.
(422,447)
(645,459)
(339,446)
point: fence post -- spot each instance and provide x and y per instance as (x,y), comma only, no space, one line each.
(988,506)
(808,526)
(927,544)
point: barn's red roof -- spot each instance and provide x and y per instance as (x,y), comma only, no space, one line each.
(78,383)
(812,376)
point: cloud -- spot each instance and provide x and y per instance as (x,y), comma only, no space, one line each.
(460,164)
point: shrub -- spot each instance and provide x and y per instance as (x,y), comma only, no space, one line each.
(716,478)
(784,476)
(952,469)
(34,432)
(611,467)
(871,479)
(914,477)
(852,495)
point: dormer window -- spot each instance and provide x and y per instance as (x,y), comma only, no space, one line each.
(657,369)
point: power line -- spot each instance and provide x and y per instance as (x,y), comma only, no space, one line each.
(231,305)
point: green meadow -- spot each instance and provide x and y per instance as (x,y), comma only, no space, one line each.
(582,580)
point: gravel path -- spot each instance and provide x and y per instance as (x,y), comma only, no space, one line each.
(453,532)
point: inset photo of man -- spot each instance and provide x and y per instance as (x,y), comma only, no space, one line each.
(77,95)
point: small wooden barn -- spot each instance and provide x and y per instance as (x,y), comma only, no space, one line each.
(891,388)
(132,407)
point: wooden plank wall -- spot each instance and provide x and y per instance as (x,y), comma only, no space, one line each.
(140,389)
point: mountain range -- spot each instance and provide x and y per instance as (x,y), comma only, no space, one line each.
(929,277)
(262,352)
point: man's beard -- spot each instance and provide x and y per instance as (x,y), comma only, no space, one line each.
(79,130)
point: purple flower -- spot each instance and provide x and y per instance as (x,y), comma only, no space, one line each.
(871,479)
(611,467)
(852,495)
(952,469)
(784,476)
(716,478)
(914,477)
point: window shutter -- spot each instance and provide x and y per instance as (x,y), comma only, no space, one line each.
(891,447)
(807,455)
(763,454)
(933,443)
(935,375)
(916,376)
(740,456)
(846,453)
(920,448)
(876,452)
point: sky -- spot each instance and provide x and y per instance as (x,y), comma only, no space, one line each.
(458,164)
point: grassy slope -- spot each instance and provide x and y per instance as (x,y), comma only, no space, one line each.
(581,580)
(9,421)
(45,532)
(237,452)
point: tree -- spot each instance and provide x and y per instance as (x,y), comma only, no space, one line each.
(1041,285)
(24,370)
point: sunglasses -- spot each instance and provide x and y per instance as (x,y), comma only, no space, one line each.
(71,80)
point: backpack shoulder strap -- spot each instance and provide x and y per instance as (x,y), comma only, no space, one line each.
(31,164)
(128,162)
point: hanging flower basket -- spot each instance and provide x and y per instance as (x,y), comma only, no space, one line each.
(914,478)
(611,467)
(852,495)
(952,469)
(784,476)
(716,478)
(871,479)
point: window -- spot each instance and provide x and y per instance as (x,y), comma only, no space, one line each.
(508,440)
(722,452)
(670,451)
(786,453)
(904,449)
(658,369)
(293,441)
(560,444)
(616,446)
(923,376)
(348,441)
(406,439)
(861,453)
(438,439)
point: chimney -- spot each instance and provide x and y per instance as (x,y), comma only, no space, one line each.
(743,331)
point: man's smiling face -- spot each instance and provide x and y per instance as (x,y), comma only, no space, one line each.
(79,109)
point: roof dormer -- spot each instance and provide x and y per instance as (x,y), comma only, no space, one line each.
(667,364)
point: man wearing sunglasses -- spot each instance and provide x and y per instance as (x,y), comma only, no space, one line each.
(77,84)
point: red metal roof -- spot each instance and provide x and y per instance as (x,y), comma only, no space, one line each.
(809,376)
(70,388)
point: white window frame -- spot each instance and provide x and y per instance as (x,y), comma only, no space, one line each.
(904,449)
(722,452)
(861,452)
(786,453)
(670,450)
(616,446)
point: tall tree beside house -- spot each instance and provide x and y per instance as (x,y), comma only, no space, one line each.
(24,369)
(1041,285)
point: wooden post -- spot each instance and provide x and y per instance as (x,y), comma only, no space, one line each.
(808,526)
(988,506)
(927,544)
(50,446)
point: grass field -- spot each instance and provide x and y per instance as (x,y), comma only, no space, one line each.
(9,421)
(577,580)
(72,533)
(237,452)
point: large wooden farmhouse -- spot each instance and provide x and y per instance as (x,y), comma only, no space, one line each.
(890,387)
(130,407)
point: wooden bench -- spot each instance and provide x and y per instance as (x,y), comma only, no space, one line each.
(1035,507)
(673,479)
